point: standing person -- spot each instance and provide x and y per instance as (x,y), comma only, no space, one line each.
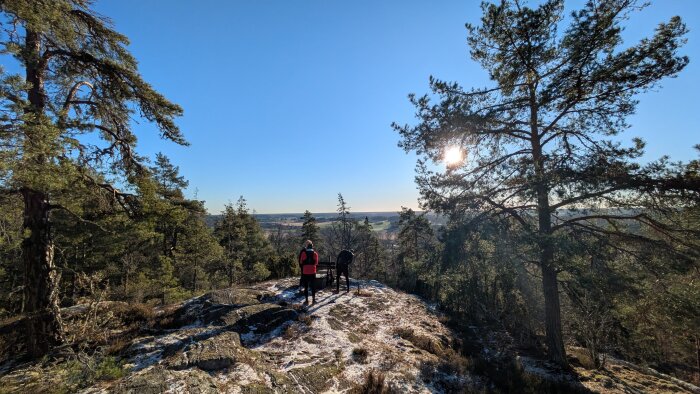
(342,266)
(308,258)
(301,276)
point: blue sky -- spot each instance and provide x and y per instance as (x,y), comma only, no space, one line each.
(290,102)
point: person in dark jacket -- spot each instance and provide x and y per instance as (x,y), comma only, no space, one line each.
(301,277)
(342,266)
(308,259)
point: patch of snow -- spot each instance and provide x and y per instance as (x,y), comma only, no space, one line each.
(243,374)
(339,323)
(149,351)
(373,315)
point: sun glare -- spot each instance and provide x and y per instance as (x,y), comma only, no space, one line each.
(453,156)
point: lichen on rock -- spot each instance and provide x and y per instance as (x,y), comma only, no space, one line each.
(215,353)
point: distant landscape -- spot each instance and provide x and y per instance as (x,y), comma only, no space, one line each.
(384,223)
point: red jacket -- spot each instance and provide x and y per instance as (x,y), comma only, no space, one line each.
(308,269)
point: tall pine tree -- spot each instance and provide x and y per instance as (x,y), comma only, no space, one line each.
(538,141)
(77,78)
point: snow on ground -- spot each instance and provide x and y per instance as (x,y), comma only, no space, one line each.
(340,323)
(331,346)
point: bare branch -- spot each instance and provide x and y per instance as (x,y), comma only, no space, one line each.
(73,91)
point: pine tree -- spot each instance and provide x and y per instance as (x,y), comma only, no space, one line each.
(309,228)
(416,237)
(247,250)
(416,245)
(230,231)
(78,79)
(538,141)
(341,234)
(196,250)
(170,210)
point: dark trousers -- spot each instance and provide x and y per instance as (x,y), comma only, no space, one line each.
(306,281)
(342,270)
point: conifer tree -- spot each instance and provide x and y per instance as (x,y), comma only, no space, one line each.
(248,251)
(416,237)
(197,250)
(342,235)
(77,78)
(538,142)
(309,227)
(230,231)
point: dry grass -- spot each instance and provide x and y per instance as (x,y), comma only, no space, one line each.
(368,328)
(360,355)
(420,341)
(581,357)
(344,313)
(305,318)
(137,313)
(403,332)
(335,324)
(374,384)
(352,337)
(294,331)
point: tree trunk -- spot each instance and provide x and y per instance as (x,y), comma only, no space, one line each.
(41,278)
(126,283)
(194,278)
(230,274)
(552,315)
(43,318)
(550,286)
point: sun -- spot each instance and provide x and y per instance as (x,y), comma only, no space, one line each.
(453,156)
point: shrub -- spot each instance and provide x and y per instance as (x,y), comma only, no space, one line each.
(86,370)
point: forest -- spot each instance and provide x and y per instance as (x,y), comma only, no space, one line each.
(554,229)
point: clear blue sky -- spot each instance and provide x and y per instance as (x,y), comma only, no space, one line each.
(290,102)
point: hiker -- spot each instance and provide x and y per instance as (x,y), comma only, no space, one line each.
(342,266)
(301,276)
(308,259)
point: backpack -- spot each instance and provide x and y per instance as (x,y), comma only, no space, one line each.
(345,258)
(309,257)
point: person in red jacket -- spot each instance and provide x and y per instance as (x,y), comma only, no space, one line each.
(308,259)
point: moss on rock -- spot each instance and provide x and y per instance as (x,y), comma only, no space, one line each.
(318,377)
(158,380)
(218,352)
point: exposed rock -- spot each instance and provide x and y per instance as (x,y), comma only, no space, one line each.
(215,353)
(261,340)
(261,318)
(209,308)
(316,378)
(235,296)
(158,380)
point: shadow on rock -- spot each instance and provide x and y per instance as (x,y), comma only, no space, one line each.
(211,332)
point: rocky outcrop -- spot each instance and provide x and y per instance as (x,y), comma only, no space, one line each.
(212,354)
(261,339)
(159,380)
(261,318)
(210,308)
